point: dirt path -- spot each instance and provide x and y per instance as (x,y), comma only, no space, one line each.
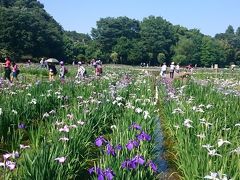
(156,72)
(179,75)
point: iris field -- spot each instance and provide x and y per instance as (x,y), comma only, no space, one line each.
(105,127)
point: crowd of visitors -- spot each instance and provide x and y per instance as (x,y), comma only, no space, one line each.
(11,69)
(172,69)
(81,71)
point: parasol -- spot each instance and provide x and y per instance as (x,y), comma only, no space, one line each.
(52,60)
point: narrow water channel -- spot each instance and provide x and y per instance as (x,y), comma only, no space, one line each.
(159,148)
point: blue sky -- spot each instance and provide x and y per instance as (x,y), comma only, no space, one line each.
(209,16)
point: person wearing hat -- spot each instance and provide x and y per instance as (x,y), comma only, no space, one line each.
(163,70)
(63,71)
(172,68)
(81,71)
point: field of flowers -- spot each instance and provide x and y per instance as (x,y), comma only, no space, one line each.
(202,121)
(109,127)
(96,128)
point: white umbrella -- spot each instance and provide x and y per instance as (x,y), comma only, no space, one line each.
(52,60)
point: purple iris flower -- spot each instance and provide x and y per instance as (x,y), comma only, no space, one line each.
(92,170)
(152,166)
(21,126)
(109,174)
(138,159)
(119,147)
(111,150)
(125,164)
(100,140)
(131,144)
(98,171)
(143,136)
(100,176)
(132,164)
(136,126)
(129,164)
(136,143)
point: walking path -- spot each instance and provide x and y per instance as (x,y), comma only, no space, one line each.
(156,71)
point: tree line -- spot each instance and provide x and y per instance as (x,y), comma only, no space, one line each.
(28,31)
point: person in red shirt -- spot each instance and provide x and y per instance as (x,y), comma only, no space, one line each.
(7,69)
(98,69)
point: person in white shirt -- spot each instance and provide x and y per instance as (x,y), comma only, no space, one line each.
(172,68)
(163,70)
(81,71)
(62,71)
(42,62)
(177,68)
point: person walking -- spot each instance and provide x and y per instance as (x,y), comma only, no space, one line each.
(15,71)
(172,68)
(42,63)
(98,69)
(7,69)
(29,63)
(63,71)
(52,71)
(163,70)
(177,68)
(232,67)
(81,71)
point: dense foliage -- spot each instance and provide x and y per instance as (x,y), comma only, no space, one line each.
(28,31)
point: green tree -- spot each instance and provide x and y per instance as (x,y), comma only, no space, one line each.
(137,53)
(212,52)
(93,50)
(161,58)
(6,3)
(81,57)
(237,57)
(109,30)
(75,44)
(114,57)
(26,4)
(180,59)
(157,36)
(188,48)
(78,37)
(183,51)
(230,30)
(30,31)
(123,47)
(238,31)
